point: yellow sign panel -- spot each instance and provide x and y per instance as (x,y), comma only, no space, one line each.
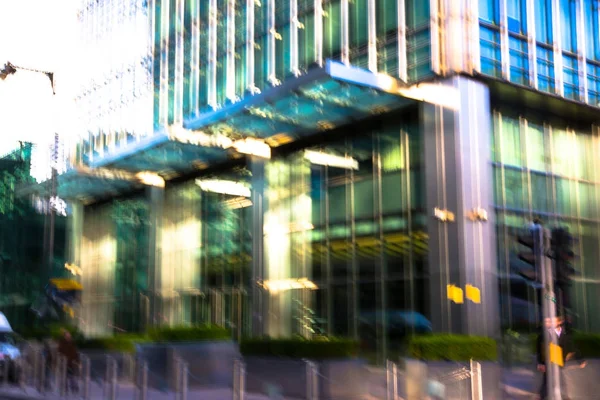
(66,284)
(556,355)
(455,294)
(473,294)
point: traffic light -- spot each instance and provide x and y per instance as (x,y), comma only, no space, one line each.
(563,255)
(533,241)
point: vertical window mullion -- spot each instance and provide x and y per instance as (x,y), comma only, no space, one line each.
(319,32)
(372,35)
(212,54)
(179,59)
(402,59)
(345,14)
(531,44)
(504,40)
(557,48)
(230,58)
(250,85)
(581,52)
(271,38)
(294,38)
(434,27)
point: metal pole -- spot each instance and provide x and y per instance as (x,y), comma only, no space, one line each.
(392,380)
(142,381)
(85,387)
(178,373)
(5,372)
(57,363)
(312,387)
(549,299)
(113,379)
(63,377)
(476,382)
(42,373)
(239,379)
(184,381)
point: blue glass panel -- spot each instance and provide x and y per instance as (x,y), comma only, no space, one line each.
(568,19)
(543,21)
(517,16)
(519,61)
(570,77)
(418,55)
(489,11)
(593,83)
(545,69)
(490,52)
(591,29)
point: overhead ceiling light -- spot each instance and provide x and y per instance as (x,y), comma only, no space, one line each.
(282,285)
(150,179)
(231,188)
(253,147)
(198,138)
(330,160)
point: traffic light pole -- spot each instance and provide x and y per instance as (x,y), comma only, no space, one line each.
(543,238)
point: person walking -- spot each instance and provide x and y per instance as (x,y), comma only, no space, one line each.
(68,349)
(556,329)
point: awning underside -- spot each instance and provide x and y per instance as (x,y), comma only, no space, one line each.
(320,100)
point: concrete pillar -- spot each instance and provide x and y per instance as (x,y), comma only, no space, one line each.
(156,198)
(459,179)
(259,309)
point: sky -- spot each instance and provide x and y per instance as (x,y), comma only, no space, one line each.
(36,34)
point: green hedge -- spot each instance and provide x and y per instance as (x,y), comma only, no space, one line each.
(439,347)
(189,334)
(53,331)
(587,344)
(122,343)
(300,348)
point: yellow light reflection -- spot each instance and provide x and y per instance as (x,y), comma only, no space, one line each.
(282,285)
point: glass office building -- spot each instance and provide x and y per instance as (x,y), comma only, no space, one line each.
(331,166)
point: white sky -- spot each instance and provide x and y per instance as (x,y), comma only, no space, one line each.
(36,34)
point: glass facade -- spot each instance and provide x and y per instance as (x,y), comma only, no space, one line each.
(549,45)
(359,234)
(546,169)
(359,227)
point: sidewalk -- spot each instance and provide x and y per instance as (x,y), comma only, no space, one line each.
(124,392)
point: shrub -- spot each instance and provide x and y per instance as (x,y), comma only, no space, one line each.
(587,344)
(123,343)
(189,334)
(300,348)
(452,347)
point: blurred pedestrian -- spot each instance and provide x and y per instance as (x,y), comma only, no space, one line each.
(68,349)
(557,331)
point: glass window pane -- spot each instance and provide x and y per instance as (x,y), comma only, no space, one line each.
(511,153)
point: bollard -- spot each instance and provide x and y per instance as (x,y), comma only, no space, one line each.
(312,387)
(85,377)
(63,377)
(57,363)
(142,381)
(177,378)
(476,383)
(21,374)
(42,374)
(239,380)
(112,393)
(184,381)
(392,380)
(5,372)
